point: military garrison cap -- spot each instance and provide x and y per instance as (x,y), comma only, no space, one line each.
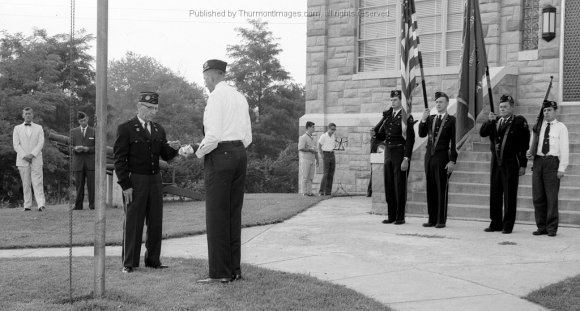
(81,115)
(215,64)
(149,98)
(550,104)
(506,98)
(441,94)
(396,93)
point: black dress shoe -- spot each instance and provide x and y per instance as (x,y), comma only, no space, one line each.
(428,224)
(540,232)
(237,277)
(552,234)
(399,222)
(439,226)
(212,280)
(127,269)
(160,266)
(388,221)
(505,231)
(489,229)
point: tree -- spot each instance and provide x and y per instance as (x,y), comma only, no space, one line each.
(258,74)
(36,71)
(181,103)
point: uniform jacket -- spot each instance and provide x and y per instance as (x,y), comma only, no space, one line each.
(445,137)
(28,144)
(138,152)
(83,159)
(509,141)
(389,130)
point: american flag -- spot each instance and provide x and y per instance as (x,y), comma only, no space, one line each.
(409,56)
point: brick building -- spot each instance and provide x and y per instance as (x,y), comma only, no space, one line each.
(353,63)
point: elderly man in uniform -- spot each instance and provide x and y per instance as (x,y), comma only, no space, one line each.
(399,138)
(228,132)
(28,140)
(139,145)
(550,162)
(440,158)
(83,141)
(509,135)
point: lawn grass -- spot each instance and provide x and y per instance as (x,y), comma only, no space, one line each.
(561,296)
(42,284)
(19,229)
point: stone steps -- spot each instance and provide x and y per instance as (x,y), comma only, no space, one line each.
(455,210)
(471,166)
(483,177)
(483,188)
(485,156)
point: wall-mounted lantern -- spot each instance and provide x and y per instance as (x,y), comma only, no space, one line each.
(548,23)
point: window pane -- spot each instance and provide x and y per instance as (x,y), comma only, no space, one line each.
(453,58)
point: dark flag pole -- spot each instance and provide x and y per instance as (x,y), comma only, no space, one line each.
(423,79)
(489,91)
(473,68)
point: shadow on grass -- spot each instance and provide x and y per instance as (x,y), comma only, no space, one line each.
(42,284)
(33,229)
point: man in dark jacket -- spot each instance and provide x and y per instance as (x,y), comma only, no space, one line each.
(399,138)
(139,145)
(83,164)
(509,136)
(440,158)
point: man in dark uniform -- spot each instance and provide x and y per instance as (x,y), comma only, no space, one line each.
(399,139)
(228,132)
(83,164)
(509,136)
(440,158)
(139,145)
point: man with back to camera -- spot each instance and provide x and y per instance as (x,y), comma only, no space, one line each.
(28,141)
(326,144)
(139,145)
(308,159)
(509,135)
(440,158)
(550,162)
(228,132)
(83,141)
(399,139)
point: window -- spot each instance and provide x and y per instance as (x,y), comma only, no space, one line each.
(439,34)
(530,24)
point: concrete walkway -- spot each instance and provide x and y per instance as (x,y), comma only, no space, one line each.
(407,267)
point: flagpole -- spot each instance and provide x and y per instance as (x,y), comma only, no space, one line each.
(423,80)
(489,91)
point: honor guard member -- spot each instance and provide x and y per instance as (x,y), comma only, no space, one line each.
(83,141)
(440,158)
(399,139)
(509,136)
(550,162)
(139,145)
(228,132)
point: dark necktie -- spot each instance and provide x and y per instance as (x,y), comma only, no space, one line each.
(84,130)
(546,144)
(27,124)
(438,122)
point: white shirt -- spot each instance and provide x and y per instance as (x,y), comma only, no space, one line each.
(144,124)
(327,142)
(559,144)
(226,117)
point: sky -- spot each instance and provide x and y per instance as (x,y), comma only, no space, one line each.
(180,34)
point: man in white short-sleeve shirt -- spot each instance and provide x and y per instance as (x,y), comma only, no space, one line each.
(326,144)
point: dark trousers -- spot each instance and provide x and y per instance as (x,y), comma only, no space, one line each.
(437,180)
(545,188)
(147,206)
(225,174)
(80,178)
(370,187)
(503,193)
(329,164)
(395,183)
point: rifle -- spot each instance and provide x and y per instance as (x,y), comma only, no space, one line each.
(538,126)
